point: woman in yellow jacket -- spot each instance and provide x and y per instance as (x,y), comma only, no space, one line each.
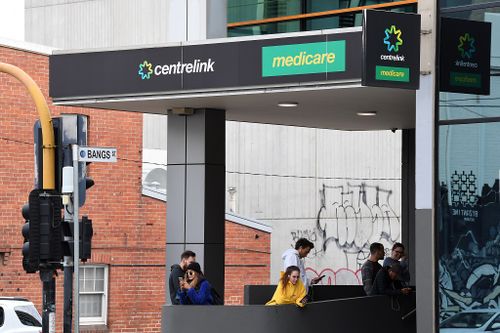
(290,289)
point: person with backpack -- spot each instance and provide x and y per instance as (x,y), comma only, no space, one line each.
(290,289)
(195,289)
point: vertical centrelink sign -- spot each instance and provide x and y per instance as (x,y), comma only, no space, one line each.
(391,49)
(464,62)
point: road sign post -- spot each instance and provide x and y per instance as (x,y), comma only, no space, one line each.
(83,154)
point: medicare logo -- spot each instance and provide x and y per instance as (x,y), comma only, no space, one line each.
(393,39)
(466,46)
(307,58)
(145,70)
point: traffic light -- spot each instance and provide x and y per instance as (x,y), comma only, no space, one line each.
(30,253)
(69,129)
(42,230)
(86,232)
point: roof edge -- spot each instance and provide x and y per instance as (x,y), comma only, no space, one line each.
(247,222)
(26,46)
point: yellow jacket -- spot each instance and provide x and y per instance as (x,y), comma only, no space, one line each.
(292,294)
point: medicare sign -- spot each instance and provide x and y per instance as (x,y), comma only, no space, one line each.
(307,58)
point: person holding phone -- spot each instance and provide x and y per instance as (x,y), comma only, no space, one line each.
(177,274)
(194,288)
(296,257)
(290,289)
(386,282)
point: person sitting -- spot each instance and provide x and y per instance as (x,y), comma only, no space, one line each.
(398,257)
(194,288)
(290,289)
(384,283)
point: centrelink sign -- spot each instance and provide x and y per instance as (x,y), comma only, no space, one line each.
(261,62)
(293,59)
(391,49)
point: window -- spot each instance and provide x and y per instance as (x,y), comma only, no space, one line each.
(154,156)
(93,294)
(2,317)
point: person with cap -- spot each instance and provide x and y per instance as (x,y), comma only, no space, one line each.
(194,288)
(385,282)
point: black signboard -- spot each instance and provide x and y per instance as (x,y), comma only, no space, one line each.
(391,49)
(209,66)
(464,56)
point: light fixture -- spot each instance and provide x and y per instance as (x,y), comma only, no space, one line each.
(367,113)
(288,104)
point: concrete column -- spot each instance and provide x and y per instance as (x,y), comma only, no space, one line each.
(196,191)
(425,272)
(196,19)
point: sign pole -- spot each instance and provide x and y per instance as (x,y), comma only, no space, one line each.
(76,242)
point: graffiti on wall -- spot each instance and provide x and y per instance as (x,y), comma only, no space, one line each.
(350,217)
(469,262)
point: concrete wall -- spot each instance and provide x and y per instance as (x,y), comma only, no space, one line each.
(71,24)
(341,190)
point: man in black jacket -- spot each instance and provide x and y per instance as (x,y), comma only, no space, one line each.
(177,273)
(386,282)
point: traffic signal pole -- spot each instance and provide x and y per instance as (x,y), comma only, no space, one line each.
(76,243)
(47,274)
(48,140)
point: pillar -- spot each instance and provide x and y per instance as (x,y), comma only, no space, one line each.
(196,191)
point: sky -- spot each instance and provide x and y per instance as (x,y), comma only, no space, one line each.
(12,19)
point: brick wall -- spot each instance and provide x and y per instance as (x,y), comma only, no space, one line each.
(129,229)
(247,260)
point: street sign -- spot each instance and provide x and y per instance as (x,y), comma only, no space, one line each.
(96,154)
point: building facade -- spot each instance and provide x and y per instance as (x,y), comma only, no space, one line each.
(123,285)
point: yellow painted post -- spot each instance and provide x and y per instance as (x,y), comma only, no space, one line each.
(48,142)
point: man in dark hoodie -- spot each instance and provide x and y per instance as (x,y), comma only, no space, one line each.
(177,273)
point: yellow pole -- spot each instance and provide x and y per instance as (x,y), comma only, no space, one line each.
(48,142)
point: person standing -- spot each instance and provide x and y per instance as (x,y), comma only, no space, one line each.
(194,288)
(371,267)
(177,273)
(295,257)
(398,257)
(386,282)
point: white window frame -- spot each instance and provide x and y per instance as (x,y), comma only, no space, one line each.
(103,319)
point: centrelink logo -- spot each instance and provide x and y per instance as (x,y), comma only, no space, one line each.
(466,46)
(147,69)
(393,41)
(466,49)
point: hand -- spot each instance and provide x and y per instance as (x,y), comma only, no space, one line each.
(304,300)
(184,285)
(316,280)
(406,291)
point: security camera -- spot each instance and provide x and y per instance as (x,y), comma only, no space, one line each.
(394,129)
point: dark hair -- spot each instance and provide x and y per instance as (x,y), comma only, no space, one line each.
(396,268)
(187,254)
(374,247)
(286,277)
(304,243)
(396,245)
